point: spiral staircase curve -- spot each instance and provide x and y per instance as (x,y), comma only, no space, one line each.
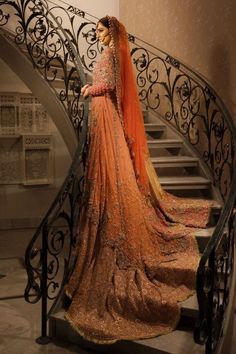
(174,148)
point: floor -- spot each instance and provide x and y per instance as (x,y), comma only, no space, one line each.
(19,321)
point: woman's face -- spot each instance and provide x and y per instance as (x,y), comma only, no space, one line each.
(103,34)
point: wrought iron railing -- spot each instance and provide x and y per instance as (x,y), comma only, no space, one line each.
(185,100)
(216,278)
(37,31)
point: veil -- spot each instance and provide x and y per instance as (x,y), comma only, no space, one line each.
(130,112)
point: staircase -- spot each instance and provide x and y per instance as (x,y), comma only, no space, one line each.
(168,156)
(178,168)
(185,165)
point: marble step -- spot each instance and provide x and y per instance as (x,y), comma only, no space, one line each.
(58,83)
(55,65)
(59,80)
(165,144)
(175,161)
(70,65)
(154,127)
(185,182)
(176,342)
(203,236)
(54,62)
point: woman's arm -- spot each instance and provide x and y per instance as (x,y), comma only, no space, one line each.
(104,77)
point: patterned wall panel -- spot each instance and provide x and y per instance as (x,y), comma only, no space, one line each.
(10,160)
(37,159)
(25,141)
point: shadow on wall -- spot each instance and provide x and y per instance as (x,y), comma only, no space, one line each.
(220,72)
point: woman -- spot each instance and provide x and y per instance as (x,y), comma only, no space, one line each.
(137,255)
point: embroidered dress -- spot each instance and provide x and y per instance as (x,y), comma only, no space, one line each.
(136,258)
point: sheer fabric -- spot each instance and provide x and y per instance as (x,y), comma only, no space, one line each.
(136,255)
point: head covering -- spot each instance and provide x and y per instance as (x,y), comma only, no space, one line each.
(128,103)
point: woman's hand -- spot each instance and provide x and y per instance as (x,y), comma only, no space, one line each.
(86,92)
(84,89)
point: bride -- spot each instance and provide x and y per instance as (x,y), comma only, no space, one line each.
(136,254)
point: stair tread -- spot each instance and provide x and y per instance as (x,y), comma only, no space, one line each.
(183,180)
(174,158)
(154,126)
(176,342)
(190,306)
(161,141)
(206,233)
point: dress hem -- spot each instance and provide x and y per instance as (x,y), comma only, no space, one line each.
(112,341)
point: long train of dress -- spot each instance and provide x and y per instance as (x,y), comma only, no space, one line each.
(134,264)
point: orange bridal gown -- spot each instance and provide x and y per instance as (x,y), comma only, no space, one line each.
(133,264)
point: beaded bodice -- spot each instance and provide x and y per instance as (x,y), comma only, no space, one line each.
(103,74)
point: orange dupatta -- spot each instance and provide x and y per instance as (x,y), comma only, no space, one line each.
(130,112)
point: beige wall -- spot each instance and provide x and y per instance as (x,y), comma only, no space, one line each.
(201,33)
(97,8)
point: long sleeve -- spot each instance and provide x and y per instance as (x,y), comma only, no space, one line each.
(103,75)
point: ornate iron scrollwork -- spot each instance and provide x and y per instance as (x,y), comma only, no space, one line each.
(213,298)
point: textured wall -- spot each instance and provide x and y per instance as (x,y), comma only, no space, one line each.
(201,33)
(97,8)
(10,81)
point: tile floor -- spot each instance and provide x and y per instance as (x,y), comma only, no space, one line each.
(19,321)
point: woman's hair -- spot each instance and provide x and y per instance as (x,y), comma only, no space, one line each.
(104,21)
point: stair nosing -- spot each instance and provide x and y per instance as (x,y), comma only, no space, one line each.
(155,141)
(183,180)
(178,158)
